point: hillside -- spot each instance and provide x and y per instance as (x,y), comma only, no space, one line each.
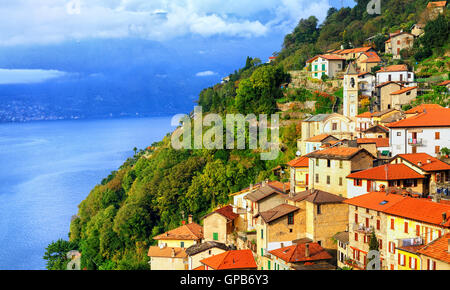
(157,188)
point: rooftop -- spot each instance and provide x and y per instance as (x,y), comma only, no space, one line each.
(320,138)
(342,237)
(380,142)
(263,192)
(372,57)
(394,68)
(277,212)
(404,90)
(297,253)
(422,107)
(317,197)
(199,248)
(236,259)
(436,4)
(430,118)
(429,163)
(342,153)
(166,252)
(387,172)
(190,231)
(438,249)
(378,201)
(226,212)
(302,161)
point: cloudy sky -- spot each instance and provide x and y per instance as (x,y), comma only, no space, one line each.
(46,40)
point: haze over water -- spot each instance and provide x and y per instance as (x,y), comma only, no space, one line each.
(48,168)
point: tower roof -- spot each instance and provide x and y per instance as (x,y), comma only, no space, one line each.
(351,69)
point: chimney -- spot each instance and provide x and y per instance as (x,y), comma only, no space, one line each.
(306,250)
(173,253)
(251,187)
(190,219)
(428,160)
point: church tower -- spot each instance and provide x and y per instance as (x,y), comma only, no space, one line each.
(351,92)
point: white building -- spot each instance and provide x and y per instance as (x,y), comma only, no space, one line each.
(367,83)
(427,132)
(327,64)
(396,73)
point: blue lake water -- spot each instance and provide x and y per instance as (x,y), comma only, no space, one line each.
(48,168)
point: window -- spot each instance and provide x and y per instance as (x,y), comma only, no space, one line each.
(357,182)
(437,135)
(328,163)
(215,236)
(356,237)
(317,178)
(367,222)
(262,234)
(319,210)
(340,181)
(334,126)
(320,243)
(406,227)
(378,225)
(268,265)
(328,179)
(323,66)
(392,247)
(437,149)
(392,224)
(341,164)
(401,259)
(418,230)
(291,218)
(399,134)
(356,218)
(317,162)
(380,244)
(182,244)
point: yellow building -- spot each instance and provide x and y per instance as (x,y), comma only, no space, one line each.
(219,225)
(329,168)
(299,174)
(170,253)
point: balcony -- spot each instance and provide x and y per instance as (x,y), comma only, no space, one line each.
(415,142)
(410,242)
(361,228)
(300,184)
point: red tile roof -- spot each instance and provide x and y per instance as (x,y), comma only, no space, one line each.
(430,118)
(421,209)
(404,90)
(296,253)
(380,142)
(378,201)
(393,68)
(387,83)
(372,56)
(444,83)
(436,4)
(365,115)
(318,138)
(422,107)
(434,164)
(166,252)
(302,161)
(387,172)
(345,153)
(200,268)
(231,260)
(353,50)
(437,249)
(226,212)
(190,231)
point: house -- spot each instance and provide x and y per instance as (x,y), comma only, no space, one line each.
(368,60)
(343,248)
(375,146)
(364,121)
(231,260)
(279,225)
(198,252)
(219,225)
(263,199)
(436,255)
(420,109)
(352,53)
(377,131)
(445,83)
(328,168)
(418,29)
(383,93)
(324,214)
(397,42)
(302,256)
(367,83)
(314,143)
(299,170)
(425,133)
(435,170)
(382,177)
(395,73)
(170,253)
(435,8)
(326,64)
(272,59)
(402,97)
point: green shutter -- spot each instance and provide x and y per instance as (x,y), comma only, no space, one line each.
(268,265)
(262,252)
(323,66)
(215,236)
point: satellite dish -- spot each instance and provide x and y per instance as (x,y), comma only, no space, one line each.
(298,153)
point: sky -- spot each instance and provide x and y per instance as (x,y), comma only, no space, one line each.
(187,44)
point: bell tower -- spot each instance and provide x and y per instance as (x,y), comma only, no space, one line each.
(351,91)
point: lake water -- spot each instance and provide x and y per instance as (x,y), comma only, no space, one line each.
(48,168)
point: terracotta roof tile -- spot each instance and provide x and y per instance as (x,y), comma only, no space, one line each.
(444,83)
(345,153)
(436,4)
(372,57)
(317,197)
(231,260)
(430,118)
(380,142)
(365,115)
(387,172)
(404,90)
(319,138)
(378,201)
(263,192)
(423,210)
(226,212)
(429,163)
(421,108)
(302,161)
(190,231)
(438,249)
(296,253)
(394,68)
(166,252)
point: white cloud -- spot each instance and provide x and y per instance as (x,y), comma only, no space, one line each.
(206,73)
(50,21)
(28,76)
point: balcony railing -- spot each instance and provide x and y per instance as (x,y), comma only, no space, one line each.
(415,142)
(300,184)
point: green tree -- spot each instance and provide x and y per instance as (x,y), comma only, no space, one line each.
(56,254)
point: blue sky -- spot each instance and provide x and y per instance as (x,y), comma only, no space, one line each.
(193,43)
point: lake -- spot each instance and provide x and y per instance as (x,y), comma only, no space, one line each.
(48,168)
